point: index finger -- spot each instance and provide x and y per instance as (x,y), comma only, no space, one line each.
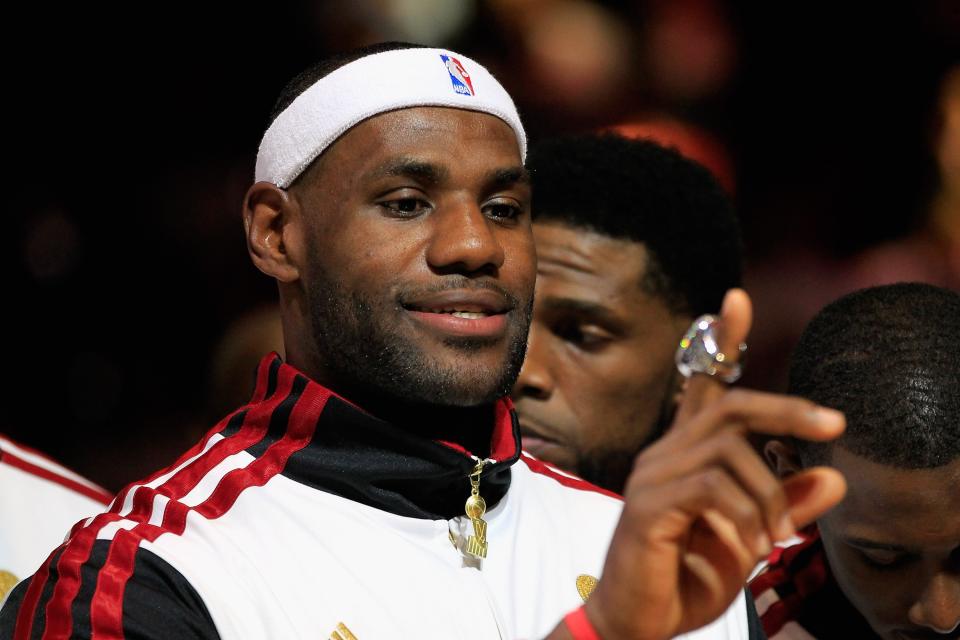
(736,316)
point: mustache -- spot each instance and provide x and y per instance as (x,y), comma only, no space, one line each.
(407,295)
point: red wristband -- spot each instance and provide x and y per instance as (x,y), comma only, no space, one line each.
(580,626)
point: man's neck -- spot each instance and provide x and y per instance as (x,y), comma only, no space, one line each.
(469,427)
(413,461)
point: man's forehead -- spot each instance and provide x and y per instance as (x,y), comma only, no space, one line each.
(437,169)
(576,252)
(886,497)
(587,274)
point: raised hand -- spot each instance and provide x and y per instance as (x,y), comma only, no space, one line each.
(701,508)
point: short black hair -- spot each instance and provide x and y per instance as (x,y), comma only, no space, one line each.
(641,191)
(889,358)
(308,77)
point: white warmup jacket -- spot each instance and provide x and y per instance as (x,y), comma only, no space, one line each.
(301,516)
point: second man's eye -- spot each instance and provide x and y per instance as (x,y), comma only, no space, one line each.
(405,207)
(883,560)
(586,337)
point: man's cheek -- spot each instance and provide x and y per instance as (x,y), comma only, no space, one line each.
(873,593)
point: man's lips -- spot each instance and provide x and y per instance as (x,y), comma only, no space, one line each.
(484,301)
(477,326)
(462,312)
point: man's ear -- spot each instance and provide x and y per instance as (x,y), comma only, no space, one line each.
(782,457)
(270,225)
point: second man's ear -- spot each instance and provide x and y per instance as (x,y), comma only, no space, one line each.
(271,226)
(782,457)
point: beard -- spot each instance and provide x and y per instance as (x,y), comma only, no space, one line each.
(607,469)
(367,352)
(611,468)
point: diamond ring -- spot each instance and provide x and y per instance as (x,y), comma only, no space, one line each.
(699,352)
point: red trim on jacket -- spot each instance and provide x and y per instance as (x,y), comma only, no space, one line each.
(795,579)
(97,494)
(503,440)
(106,609)
(542,468)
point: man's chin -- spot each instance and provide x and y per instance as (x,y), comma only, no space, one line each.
(550,452)
(468,372)
(458,390)
(609,470)
(414,365)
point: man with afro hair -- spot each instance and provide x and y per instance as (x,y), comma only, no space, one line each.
(634,241)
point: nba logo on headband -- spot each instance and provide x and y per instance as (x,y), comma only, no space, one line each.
(458,76)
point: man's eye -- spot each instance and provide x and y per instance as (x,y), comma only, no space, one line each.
(585,337)
(882,561)
(405,207)
(502,211)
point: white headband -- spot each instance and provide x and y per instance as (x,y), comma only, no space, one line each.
(371,85)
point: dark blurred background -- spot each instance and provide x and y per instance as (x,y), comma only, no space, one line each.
(132,134)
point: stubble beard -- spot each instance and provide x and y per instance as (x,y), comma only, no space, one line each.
(610,468)
(364,352)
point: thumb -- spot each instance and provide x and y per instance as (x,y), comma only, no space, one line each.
(812,492)
(735,318)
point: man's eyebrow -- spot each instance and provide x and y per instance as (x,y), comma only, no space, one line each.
(507,177)
(410,168)
(581,308)
(863,543)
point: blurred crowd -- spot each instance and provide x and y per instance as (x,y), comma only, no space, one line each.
(135,318)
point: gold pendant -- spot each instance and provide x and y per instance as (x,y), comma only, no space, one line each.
(475,507)
(342,633)
(7,582)
(585,585)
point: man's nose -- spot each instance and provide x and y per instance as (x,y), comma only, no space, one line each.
(938,608)
(464,240)
(535,379)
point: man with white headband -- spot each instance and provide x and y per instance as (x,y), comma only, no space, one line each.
(374,486)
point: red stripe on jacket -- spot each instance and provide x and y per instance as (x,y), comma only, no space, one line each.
(784,569)
(100,495)
(542,468)
(106,611)
(59,619)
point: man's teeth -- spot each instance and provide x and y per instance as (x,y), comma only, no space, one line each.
(467,315)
